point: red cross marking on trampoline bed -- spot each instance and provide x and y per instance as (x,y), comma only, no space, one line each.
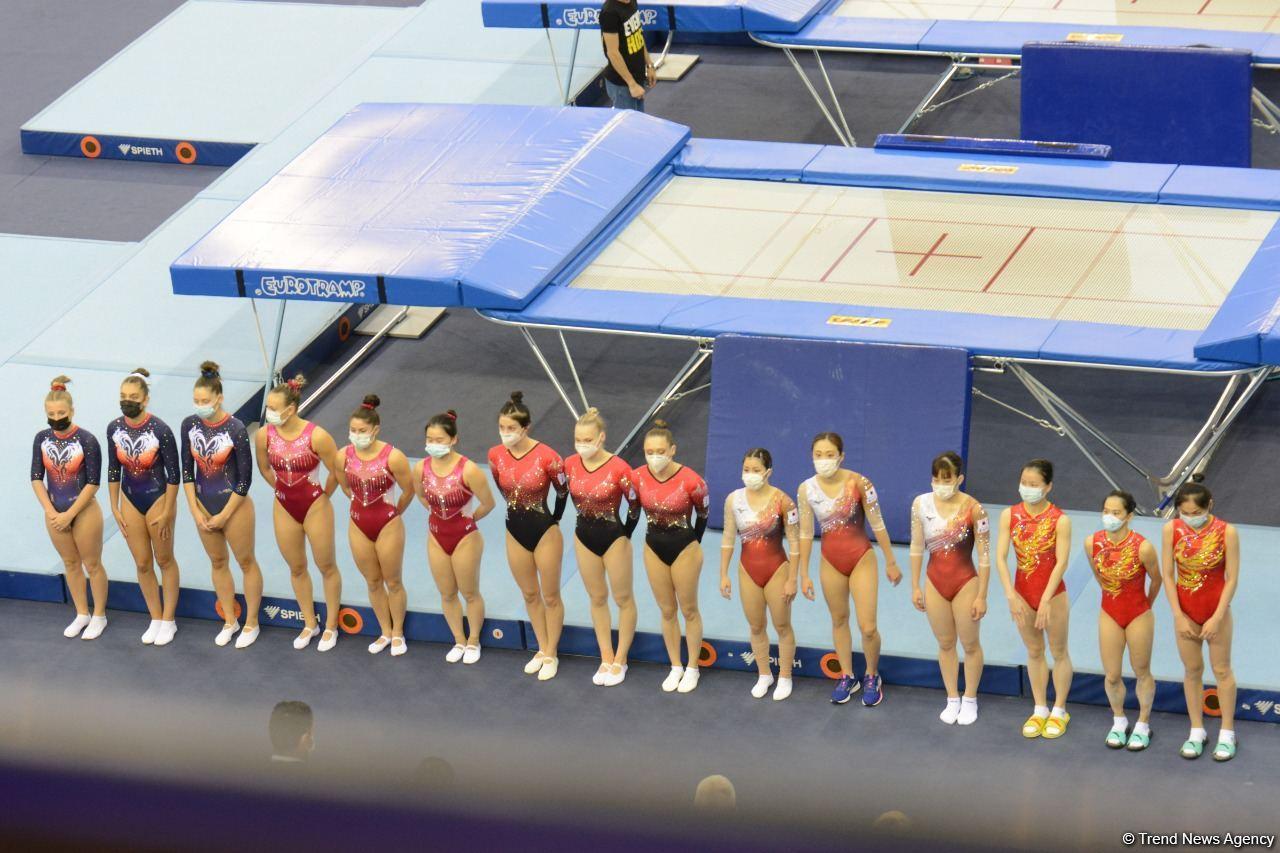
(925,256)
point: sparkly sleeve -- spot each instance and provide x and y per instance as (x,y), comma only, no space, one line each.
(92,459)
(244,458)
(791,522)
(729,536)
(806,512)
(37,459)
(633,500)
(113,461)
(917,530)
(169,453)
(188,461)
(871,503)
(982,536)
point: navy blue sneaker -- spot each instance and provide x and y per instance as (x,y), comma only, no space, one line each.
(845,688)
(871,690)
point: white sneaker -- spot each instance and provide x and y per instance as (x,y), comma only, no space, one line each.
(549,668)
(455,654)
(470,654)
(951,712)
(305,637)
(968,711)
(149,636)
(166,633)
(247,637)
(398,646)
(690,680)
(328,639)
(534,664)
(379,644)
(76,626)
(783,690)
(94,629)
(672,681)
(763,683)
(616,675)
(601,674)
(227,632)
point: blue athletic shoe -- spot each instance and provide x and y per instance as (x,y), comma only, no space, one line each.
(845,688)
(871,692)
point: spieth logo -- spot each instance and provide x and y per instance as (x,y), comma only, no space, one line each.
(140,150)
(589,16)
(749,658)
(313,288)
(274,612)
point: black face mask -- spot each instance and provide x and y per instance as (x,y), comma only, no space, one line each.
(131,409)
(59,425)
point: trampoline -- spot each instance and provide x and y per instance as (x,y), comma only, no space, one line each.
(615,222)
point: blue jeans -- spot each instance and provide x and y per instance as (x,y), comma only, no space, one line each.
(620,95)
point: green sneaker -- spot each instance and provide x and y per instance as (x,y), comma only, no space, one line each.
(1224,751)
(1192,749)
(1115,739)
(1138,742)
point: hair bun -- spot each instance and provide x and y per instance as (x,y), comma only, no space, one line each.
(517,397)
(659,423)
(371,401)
(210,370)
(60,383)
(453,416)
(142,371)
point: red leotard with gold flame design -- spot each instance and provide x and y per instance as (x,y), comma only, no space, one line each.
(1035,549)
(1201,560)
(1121,574)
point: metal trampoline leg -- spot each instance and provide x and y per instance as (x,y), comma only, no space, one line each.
(355,359)
(573,369)
(817,99)
(546,367)
(938,86)
(835,102)
(690,367)
(573,60)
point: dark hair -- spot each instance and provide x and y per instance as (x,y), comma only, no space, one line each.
(289,722)
(447,421)
(948,463)
(210,377)
(139,377)
(833,437)
(516,409)
(661,429)
(1043,467)
(1127,499)
(1193,492)
(291,389)
(763,455)
(368,411)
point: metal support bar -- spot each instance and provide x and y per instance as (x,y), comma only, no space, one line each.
(835,101)
(666,48)
(573,60)
(669,394)
(573,369)
(555,65)
(354,360)
(817,99)
(938,86)
(546,366)
(272,373)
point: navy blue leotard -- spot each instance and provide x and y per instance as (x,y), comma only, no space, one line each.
(143,459)
(216,457)
(67,463)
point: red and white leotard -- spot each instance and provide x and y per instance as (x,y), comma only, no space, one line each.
(371,481)
(295,463)
(762,533)
(949,541)
(447,498)
(842,520)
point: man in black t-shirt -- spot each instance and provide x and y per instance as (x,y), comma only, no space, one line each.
(629,72)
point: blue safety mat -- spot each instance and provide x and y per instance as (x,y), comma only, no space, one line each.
(702,16)
(777,393)
(210,80)
(1150,104)
(1248,314)
(432,204)
(974,145)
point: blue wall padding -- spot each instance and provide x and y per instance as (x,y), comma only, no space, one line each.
(977,145)
(707,16)
(1150,104)
(1248,314)
(145,149)
(1011,38)
(897,407)
(433,204)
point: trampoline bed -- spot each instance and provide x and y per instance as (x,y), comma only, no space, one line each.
(614,221)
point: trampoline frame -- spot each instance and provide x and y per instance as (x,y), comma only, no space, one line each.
(1240,388)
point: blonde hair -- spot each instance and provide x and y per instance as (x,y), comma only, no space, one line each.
(592,417)
(58,390)
(661,429)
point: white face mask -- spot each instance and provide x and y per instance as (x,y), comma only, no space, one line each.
(944,492)
(438,450)
(752,480)
(826,467)
(657,462)
(206,412)
(1195,522)
(1112,523)
(273,417)
(361,440)
(586,451)
(1031,494)
(509,438)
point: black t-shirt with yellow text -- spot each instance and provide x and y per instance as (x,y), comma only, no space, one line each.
(624,19)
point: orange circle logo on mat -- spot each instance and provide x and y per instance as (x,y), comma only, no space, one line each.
(1212,708)
(90,146)
(830,666)
(707,655)
(185,152)
(344,329)
(350,620)
(217,607)
(497,633)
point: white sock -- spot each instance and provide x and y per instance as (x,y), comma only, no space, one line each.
(149,636)
(1198,735)
(94,629)
(952,711)
(1227,736)
(1041,711)
(1120,724)
(1141,728)
(166,633)
(672,681)
(1058,712)
(968,711)
(783,690)
(763,683)
(77,625)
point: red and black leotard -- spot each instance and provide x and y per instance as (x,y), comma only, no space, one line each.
(668,505)
(447,499)
(370,481)
(762,533)
(525,482)
(1035,550)
(294,462)
(1121,574)
(597,495)
(1201,559)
